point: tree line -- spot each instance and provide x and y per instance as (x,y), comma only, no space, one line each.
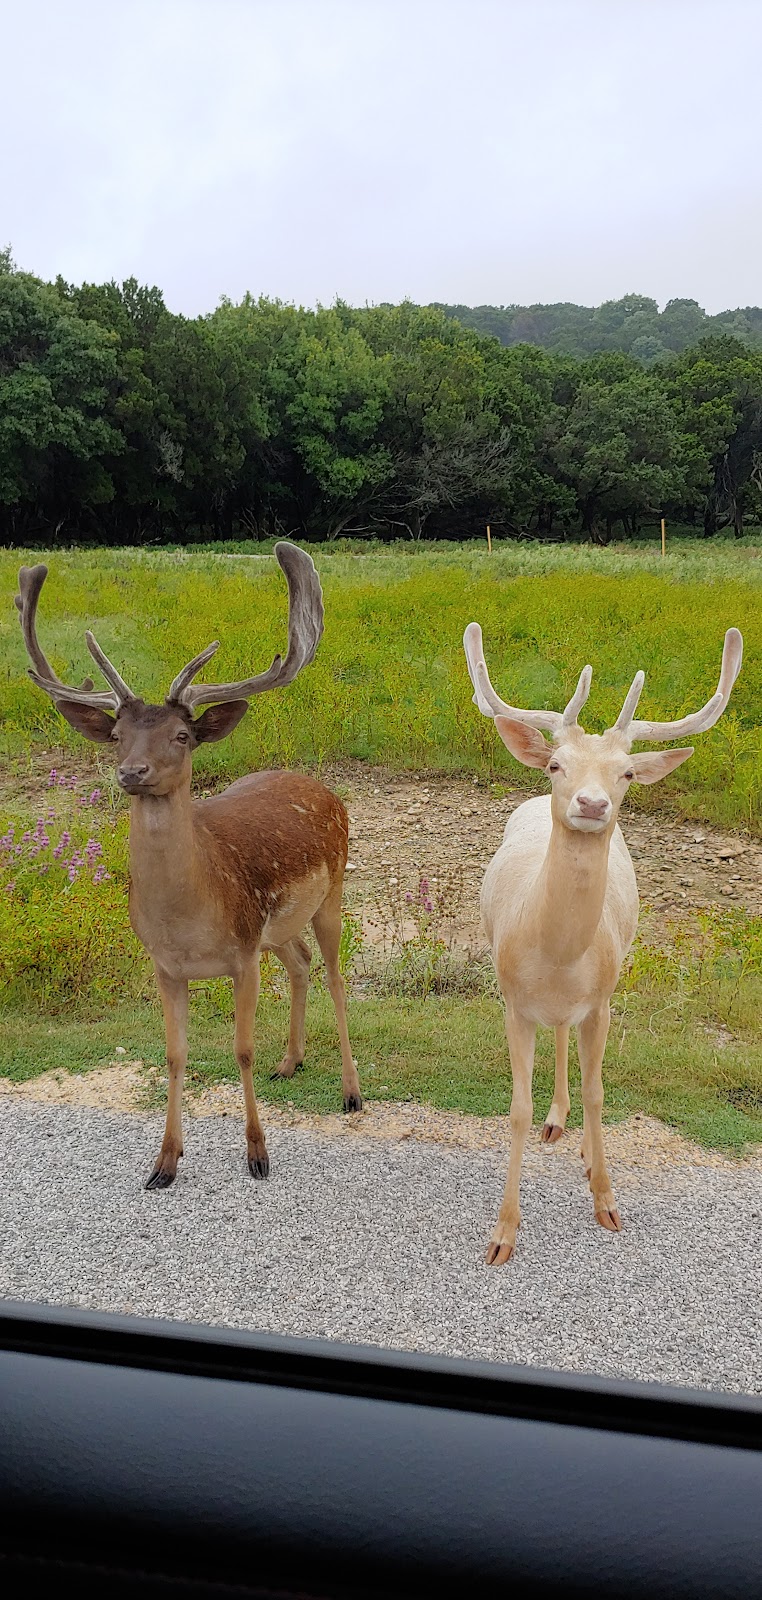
(122,422)
(634,324)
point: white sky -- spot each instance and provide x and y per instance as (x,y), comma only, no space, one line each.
(464,150)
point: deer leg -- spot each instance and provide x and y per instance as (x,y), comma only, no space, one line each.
(327,925)
(521,1036)
(174,999)
(246,988)
(296,959)
(591,1037)
(555,1122)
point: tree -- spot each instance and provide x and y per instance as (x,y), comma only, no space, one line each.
(444,438)
(716,392)
(617,447)
(55,370)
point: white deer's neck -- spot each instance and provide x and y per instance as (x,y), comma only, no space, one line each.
(571,890)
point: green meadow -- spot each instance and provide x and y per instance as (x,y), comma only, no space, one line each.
(389,687)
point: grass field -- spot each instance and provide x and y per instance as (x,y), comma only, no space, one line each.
(390,686)
(667,1055)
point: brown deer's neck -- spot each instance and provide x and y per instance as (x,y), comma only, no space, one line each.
(164,867)
(571,892)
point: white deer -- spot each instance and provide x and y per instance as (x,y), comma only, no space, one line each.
(559,902)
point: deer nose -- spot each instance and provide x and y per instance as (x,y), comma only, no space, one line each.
(593,809)
(132,775)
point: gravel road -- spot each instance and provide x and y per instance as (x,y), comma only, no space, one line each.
(380,1242)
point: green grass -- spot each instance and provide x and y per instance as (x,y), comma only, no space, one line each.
(447,1052)
(389,684)
(684,1043)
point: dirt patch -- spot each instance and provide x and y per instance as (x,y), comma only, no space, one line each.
(404,827)
(123,1086)
(639,1144)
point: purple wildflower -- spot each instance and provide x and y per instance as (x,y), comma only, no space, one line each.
(96,794)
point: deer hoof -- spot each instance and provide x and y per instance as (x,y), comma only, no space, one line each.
(160,1178)
(501,1249)
(286,1070)
(551,1133)
(610,1220)
(259,1166)
(353,1102)
(498,1254)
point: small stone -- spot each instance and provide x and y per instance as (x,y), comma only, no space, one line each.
(120,1050)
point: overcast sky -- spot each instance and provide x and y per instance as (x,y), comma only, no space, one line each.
(467,150)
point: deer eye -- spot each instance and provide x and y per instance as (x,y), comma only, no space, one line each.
(629,776)
(554,767)
(182,738)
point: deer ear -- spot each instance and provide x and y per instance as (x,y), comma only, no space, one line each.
(525,743)
(94,724)
(219,721)
(651,765)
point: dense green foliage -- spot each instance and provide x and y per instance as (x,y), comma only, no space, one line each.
(122,423)
(389,683)
(633,324)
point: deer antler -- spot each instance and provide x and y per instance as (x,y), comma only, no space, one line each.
(698,721)
(31,580)
(491,705)
(305,626)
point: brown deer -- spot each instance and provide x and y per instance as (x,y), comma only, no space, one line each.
(215,882)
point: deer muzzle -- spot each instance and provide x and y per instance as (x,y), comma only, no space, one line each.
(135,779)
(589,812)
